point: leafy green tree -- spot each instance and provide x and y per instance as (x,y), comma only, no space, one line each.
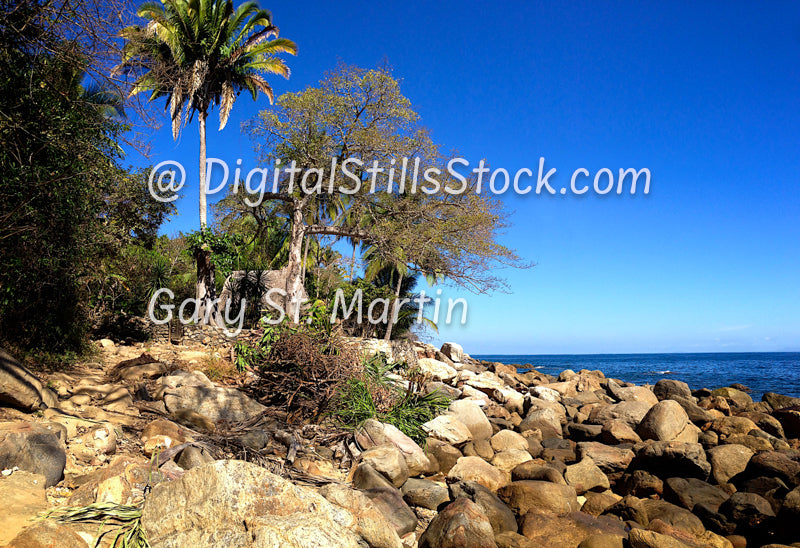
(59,157)
(362,114)
(199,54)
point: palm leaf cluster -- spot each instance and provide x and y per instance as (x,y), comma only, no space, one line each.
(203,53)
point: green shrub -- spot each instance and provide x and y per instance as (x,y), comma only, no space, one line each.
(374,395)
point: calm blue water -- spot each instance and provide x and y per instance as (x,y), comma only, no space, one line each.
(760,371)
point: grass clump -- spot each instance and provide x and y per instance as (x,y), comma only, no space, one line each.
(126,520)
(374,395)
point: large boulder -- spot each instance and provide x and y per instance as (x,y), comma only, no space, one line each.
(436,369)
(217,402)
(522,496)
(690,491)
(586,476)
(667,421)
(373,433)
(23,496)
(34,448)
(500,516)
(459,525)
(443,453)
(424,493)
(734,396)
(789,418)
(629,412)
(568,531)
(240,505)
(389,501)
(668,459)
(454,351)
(20,388)
(45,534)
(632,393)
(388,460)
(749,511)
(449,429)
(478,470)
(471,415)
(608,458)
(666,389)
(779,401)
(370,525)
(728,460)
(547,420)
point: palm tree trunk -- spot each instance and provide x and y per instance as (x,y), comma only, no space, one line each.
(353,262)
(205,288)
(388,335)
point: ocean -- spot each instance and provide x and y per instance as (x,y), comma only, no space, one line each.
(760,371)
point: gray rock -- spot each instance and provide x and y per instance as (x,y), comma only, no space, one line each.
(424,493)
(691,491)
(33,448)
(668,459)
(750,512)
(390,503)
(217,403)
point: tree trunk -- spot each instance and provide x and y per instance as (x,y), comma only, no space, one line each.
(305,258)
(353,262)
(388,335)
(205,288)
(294,280)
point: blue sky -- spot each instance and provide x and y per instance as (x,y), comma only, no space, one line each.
(704,95)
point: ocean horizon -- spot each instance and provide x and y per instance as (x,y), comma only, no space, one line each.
(761,372)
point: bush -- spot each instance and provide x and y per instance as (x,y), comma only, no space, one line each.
(374,395)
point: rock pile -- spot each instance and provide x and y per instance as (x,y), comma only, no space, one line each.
(519,460)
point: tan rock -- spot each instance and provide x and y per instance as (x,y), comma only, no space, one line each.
(478,470)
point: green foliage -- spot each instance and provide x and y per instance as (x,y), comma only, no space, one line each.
(223,246)
(58,159)
(203,53)
(124,520)
(373,395)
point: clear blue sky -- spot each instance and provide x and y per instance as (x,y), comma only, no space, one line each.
(705,95)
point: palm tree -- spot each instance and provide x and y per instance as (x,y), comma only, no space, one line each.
(378,264)
(199,54)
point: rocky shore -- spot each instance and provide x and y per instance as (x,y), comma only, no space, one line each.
(518,460)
